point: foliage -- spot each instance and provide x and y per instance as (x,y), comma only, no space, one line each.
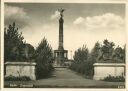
(14,47)
(81,63)
(81,54)
(96,51)
(92,58)
(114,79)
(44,60)
(13,78)
(13,43)
(84,60)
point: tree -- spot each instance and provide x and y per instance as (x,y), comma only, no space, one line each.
(44,59)
(93,57)
(80,63)
(95,53)
(13,43)
(81,54)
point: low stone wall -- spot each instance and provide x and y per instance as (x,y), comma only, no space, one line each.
(18,69)
(102,70)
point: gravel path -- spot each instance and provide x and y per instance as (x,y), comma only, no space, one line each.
(63,77)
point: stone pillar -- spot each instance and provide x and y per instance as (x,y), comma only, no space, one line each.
(61,21)
(60,58)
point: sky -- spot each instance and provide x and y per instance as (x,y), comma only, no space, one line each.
(84,23)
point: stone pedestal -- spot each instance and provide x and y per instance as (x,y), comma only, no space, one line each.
(102,70)
(60,56)
(19,69)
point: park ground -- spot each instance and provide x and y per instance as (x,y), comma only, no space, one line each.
(65,78)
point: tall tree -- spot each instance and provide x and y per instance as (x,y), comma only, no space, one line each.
(80,63)
(93,57)
(44,59)
(13,43)
(95,52)
(81,54)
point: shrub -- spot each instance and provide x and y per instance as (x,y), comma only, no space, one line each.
(13,78)
(114,79)
(44,59)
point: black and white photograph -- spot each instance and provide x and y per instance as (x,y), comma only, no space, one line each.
(64,45)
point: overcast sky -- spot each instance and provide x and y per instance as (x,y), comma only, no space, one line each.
(83,23)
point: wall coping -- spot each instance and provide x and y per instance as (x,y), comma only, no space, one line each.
(21,63)
(109,64)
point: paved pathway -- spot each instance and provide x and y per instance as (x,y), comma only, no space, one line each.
(63,77)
